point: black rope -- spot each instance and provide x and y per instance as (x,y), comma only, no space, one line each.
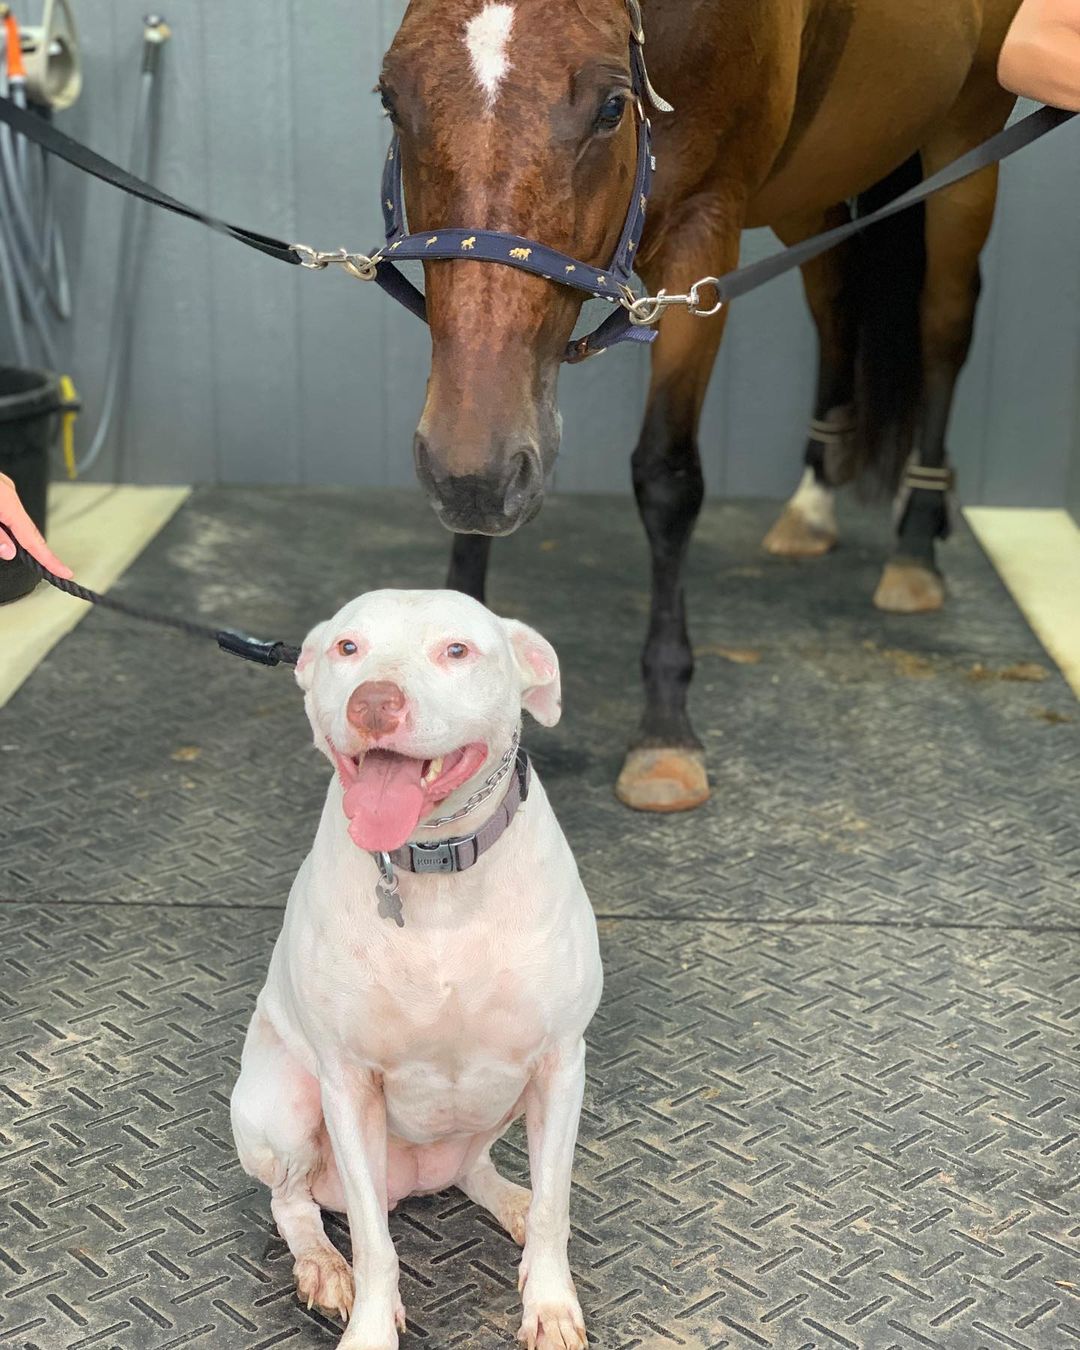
(1014,137)
(50,138)
(736,283)
(231,640)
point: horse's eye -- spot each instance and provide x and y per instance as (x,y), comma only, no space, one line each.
(457,650)
(610,112)
(387,102)
(347,647)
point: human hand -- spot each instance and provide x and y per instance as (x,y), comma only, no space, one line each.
(13,516)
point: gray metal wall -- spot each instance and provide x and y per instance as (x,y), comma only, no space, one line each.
(248,371)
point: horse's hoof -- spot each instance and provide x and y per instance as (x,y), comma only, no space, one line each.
(663,779)
(909,588)
(793,536)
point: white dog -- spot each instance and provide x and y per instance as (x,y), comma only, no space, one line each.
(422,995)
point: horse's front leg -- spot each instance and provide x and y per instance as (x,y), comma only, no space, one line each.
(665,769)
(469,554)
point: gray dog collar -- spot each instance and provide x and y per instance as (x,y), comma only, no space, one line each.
(451,855)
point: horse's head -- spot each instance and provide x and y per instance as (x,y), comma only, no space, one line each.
(513,115)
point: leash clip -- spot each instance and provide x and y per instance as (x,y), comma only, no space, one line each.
(645,310)
(358,265)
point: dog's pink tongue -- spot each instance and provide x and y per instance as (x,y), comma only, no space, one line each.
(386,802)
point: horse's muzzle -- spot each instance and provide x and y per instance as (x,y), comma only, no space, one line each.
(496,502)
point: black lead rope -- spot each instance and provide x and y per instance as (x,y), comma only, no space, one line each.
(999,147)
(43,133)
(739,282)
(231,640)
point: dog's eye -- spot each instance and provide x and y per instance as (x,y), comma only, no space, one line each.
(457,650)
(347,647)
(610,112)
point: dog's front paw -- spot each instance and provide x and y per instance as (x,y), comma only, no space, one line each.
(323,1279)
(365,1342)
(374,1327)
(553,1324)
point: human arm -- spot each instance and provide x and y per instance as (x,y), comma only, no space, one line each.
(1041,54)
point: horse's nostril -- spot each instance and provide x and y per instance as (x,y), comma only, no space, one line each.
(495,500)
(422,458)
(523,481)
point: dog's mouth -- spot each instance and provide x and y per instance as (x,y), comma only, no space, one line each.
(388,794)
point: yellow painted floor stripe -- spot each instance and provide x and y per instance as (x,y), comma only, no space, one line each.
(99,529)
(1037,555)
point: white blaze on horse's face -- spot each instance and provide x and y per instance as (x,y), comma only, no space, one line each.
(487,36)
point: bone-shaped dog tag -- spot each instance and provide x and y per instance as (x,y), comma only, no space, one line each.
(386,890)
(389,903)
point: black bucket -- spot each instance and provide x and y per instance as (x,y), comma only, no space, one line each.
(30,404)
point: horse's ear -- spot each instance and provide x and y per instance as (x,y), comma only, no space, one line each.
(305,666)
(538,668)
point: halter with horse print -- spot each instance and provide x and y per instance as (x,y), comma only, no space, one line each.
(487,36)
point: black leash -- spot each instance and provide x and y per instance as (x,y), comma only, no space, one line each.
(231,640)
(739,282)
(999,147)
(43,133)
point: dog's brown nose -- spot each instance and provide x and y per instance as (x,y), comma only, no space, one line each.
(376,707)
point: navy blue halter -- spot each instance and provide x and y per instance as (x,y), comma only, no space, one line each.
(609,283)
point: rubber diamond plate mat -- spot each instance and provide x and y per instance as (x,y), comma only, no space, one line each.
(834,1094)
(804,1136)
(865,766)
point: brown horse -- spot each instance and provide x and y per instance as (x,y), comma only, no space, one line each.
(515,115)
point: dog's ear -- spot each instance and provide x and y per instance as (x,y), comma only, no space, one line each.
(305,666)
(538,667)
